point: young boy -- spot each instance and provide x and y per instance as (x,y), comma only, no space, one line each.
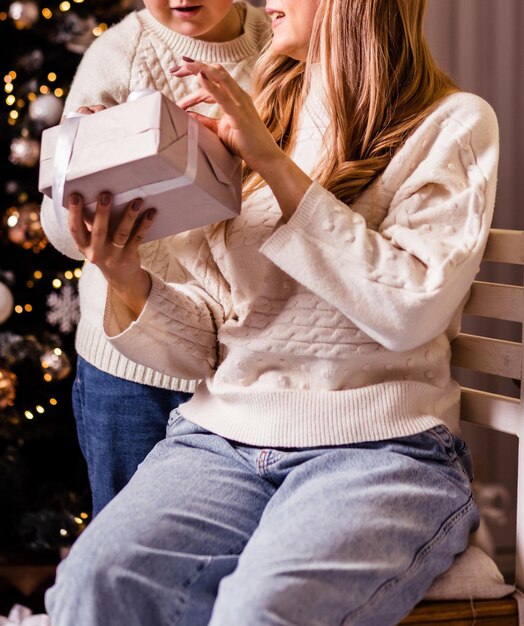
(121,407)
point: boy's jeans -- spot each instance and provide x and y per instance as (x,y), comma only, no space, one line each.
(348,535)
(118,423)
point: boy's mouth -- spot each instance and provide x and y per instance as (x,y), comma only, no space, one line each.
(186,11)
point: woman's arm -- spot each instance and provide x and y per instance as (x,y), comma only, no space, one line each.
(403,283)
(242,130)
(145,316)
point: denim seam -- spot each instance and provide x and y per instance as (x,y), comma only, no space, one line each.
(179,611)
(446,444)
(415,564)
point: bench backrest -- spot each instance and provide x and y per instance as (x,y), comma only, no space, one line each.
(498,357)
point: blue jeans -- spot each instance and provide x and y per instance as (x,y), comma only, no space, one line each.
(118,423)
(209,531)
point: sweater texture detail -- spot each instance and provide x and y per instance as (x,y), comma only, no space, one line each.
(333,327)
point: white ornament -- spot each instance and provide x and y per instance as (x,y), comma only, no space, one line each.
(46,109)
(64,309)
(24,13)
(6,302)
(24,151)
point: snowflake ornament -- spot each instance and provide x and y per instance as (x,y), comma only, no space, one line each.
(64,309)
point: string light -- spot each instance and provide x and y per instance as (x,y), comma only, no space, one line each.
(65,6)
(44,89)
(47,14)
(51,77)
(58,92)
(29,415)
(57,283)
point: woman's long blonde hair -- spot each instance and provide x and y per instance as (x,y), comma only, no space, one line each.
(381,82)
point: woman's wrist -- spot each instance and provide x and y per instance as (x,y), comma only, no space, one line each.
(287,181)
(133,291)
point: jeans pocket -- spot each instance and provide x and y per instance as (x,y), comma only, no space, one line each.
(455,449)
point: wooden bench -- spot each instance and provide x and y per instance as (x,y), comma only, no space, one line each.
(501,413)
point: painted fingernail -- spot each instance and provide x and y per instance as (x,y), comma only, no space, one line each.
(175,68)
(136,204)
(150,214)
(188,59)
(105,199)
(204,75)
(74,199)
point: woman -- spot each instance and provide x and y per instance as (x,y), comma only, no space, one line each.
(316,476)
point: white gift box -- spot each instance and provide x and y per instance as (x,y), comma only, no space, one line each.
(145,148)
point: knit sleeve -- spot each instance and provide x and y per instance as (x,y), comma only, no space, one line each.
(104,73)
(402,283)
(103,77)
(176,332)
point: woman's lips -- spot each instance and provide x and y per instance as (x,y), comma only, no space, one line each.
(275,16)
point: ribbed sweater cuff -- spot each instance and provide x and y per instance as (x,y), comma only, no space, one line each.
(297,223)
(92,346)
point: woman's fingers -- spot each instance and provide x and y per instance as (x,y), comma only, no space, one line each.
(215,74)
(197,97)
(131,229)
(124,229)
(100,226)
(137,237)
(209,122)
(77,226)
(95,239)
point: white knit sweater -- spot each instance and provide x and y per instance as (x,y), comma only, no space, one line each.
(137,54)
(335,326)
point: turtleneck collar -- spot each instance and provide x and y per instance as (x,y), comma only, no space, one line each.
(210,52)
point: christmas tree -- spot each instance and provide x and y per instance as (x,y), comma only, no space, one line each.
(44,492)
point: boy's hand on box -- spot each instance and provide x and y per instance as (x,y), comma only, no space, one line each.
(91,108)
(240,128)
(115,254)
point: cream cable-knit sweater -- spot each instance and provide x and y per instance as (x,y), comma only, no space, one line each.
(137,54)
(335,326)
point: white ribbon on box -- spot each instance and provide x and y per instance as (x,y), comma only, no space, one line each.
(64,151)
